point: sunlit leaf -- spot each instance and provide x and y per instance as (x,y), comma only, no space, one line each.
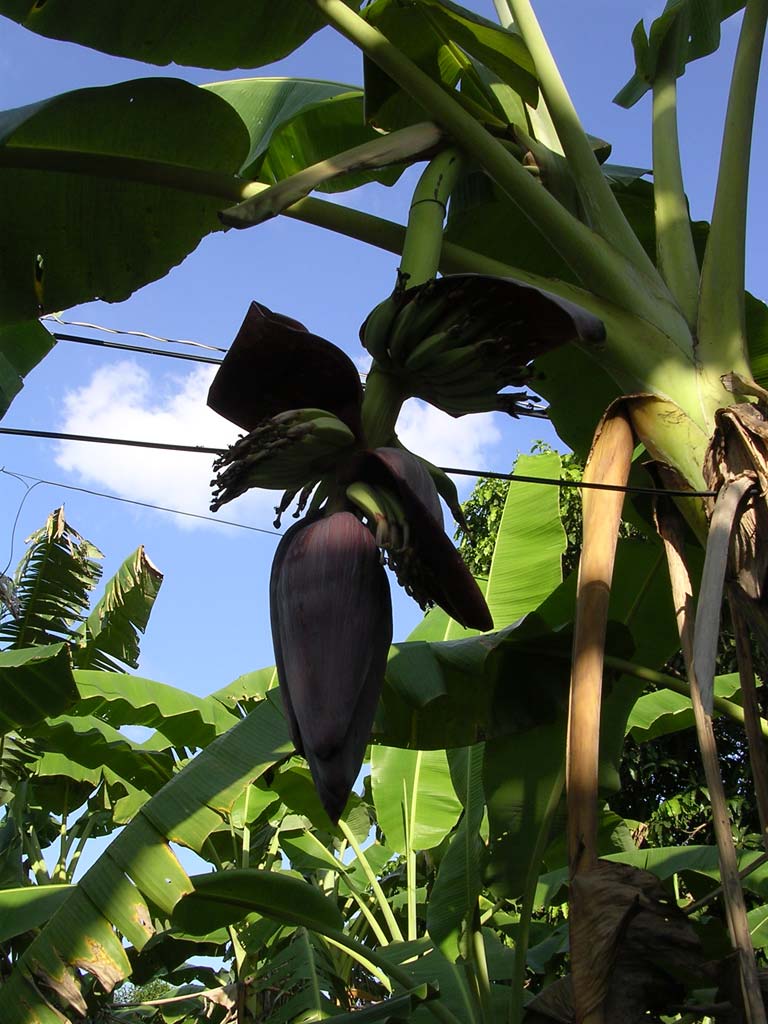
(700,24)
(35,682)
(225,897)
(213,34)
(70,237)
(412,790)
(22,346)
(110,634)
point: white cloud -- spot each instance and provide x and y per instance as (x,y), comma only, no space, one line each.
(447,441)
(124,400)
(363,362)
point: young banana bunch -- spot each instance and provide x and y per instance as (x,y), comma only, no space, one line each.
(460,340)
(285,451)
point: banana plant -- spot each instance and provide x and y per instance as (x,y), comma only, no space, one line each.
(539,225)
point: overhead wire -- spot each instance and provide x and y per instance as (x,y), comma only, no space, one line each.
(27,492)
(54,318)
(490,474)
(98,342)
(23,477)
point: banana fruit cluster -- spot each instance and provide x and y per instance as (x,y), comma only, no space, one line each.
(283,452)
(459,340)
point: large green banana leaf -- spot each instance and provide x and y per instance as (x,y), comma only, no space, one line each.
(139,870)
(29,907)
(53,584)
(416,805)
(109,637)
(294,123)
(22,346)
(71,237)
(699,21)
(180,718)
(106,189)
(86,741)
(35,682)
(438,37)
(459,879)
(212,34)
(223,897)
(664,711)
(526,565)
(668,861)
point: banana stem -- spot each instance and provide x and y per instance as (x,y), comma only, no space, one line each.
(503,13)
(603,211)
(378,892)
(362,227)
(478,965)
(675,253)
(721,330)
(600,266)
(34,853)
(424,233)
(382,401)
(410,861)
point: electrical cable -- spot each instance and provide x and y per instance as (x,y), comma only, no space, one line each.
(513,477)
(27,492)
(54,318)
(126,442)
(135,348)
(129,501)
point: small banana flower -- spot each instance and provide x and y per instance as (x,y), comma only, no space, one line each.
(297,395)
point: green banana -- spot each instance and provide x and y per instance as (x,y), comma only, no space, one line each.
(456,366)
(417,319)
(377,327)
(384,510)
(368,500)
(476,384)
(425,353)
(399,529)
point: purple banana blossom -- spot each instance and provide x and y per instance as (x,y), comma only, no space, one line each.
(331,628)
(329,598)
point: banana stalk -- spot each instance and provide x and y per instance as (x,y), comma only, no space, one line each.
(609,463)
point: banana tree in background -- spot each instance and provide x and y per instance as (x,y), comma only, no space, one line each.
(557,267)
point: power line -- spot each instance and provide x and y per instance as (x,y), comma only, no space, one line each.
(53,318)
(145,351)
(126,442)
(132,501)
(513,477)
(135,348)
(584,485)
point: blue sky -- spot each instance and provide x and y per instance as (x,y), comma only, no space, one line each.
(211,620)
